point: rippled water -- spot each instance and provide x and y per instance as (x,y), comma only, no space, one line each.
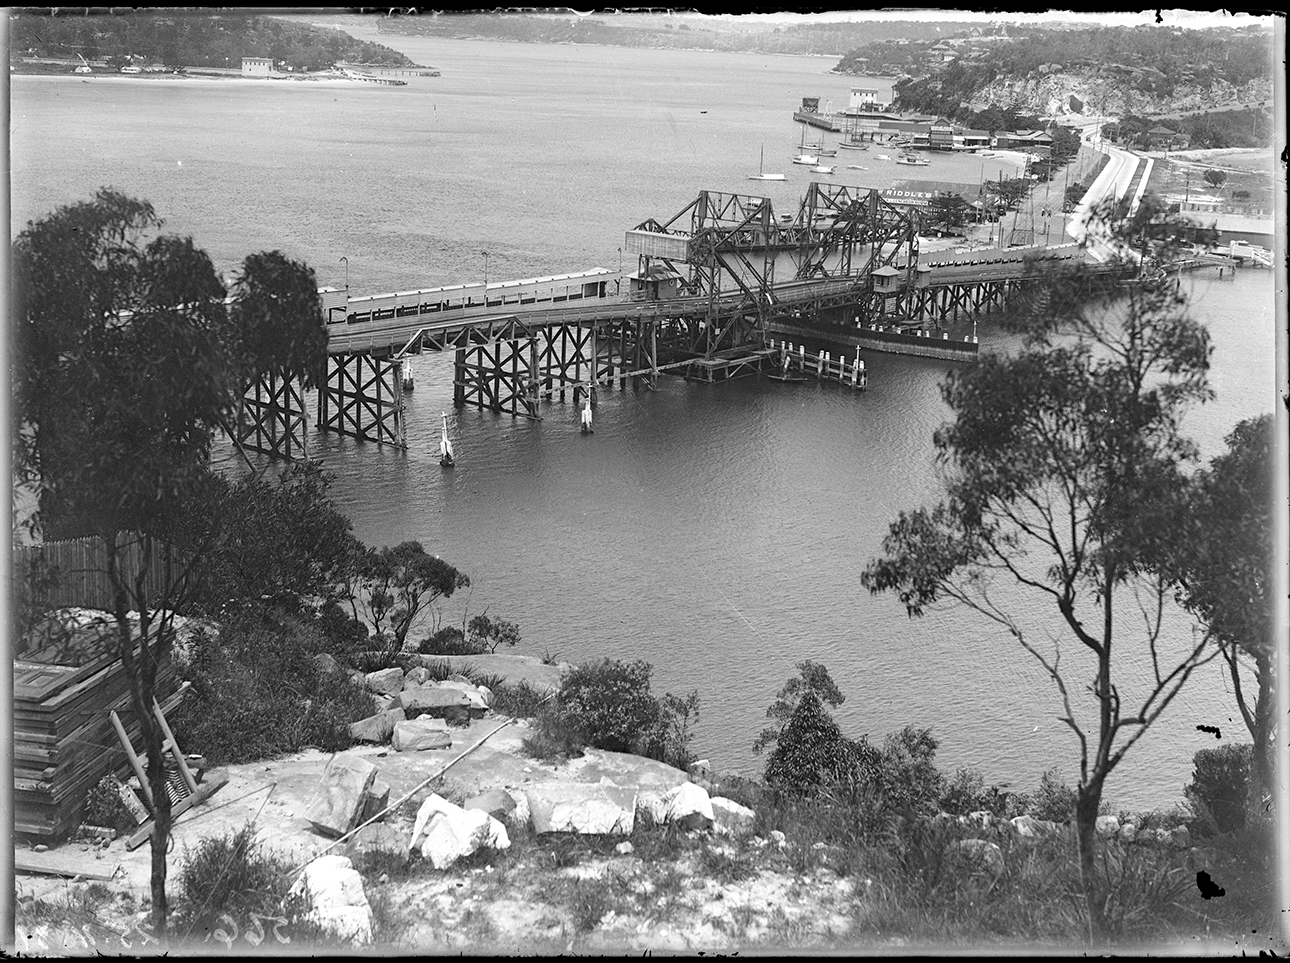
(717,531)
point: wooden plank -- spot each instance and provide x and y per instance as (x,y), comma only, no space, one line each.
(64,862)
(216,781)
(35,681)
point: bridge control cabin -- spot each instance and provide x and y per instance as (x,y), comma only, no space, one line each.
(658,282)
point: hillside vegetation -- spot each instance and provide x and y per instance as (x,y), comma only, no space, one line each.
(196,40)
(692,32)
(1145,70)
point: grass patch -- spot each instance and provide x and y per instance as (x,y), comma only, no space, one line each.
(519,700)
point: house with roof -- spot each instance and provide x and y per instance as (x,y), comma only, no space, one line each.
(1033,140)
(943,53)
(1164,138)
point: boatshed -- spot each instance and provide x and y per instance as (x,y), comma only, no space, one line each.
(256,66)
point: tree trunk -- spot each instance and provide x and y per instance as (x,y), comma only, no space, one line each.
(160,839)
(1087,800)
(1262,760)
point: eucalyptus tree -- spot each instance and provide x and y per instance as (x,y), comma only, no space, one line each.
(126,362)
(1223,563)
(1064,472)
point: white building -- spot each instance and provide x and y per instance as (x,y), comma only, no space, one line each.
(256,66)
(876,94)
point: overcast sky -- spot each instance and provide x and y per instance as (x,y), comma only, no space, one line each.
(1182,18)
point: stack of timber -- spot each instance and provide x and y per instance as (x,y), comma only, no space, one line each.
(64,741)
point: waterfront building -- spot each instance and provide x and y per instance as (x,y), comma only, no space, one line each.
(876,94)
(256,66)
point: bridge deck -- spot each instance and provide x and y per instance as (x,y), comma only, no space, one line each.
(396,334)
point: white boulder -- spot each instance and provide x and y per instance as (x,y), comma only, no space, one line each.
(582,808)
(1107,826)
(686,804)
(447,832)
(336,898)
(730,817)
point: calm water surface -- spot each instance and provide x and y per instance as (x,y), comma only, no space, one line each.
(717,531)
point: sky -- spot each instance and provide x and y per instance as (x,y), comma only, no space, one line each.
(1182,18)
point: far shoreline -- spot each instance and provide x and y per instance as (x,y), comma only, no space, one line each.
(329,81)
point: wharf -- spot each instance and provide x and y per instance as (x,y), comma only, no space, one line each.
(886,340)
(732,363)
(822,121)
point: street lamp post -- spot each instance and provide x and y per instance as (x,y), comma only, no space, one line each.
(485,253)
(346,262)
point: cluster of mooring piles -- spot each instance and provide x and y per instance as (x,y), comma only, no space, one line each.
(65,740)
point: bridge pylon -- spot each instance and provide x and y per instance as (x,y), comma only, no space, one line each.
(271,417)
(362,397)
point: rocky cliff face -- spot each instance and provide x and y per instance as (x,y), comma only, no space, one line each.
(1047,94)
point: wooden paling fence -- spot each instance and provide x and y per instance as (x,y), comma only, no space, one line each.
(74,572)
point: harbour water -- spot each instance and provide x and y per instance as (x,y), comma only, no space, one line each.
(718,532)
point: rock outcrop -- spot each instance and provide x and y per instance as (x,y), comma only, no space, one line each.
(336,898)
(601,809)
(338,802)
(415,735)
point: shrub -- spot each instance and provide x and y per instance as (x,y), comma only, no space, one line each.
(1218,787)
(343,633)
(609,705)
(449,640)
(811,752)
(488,635)
(1053,800)
(966,792)
(518,700)
(907,774)
(257,693)
(812,677)
(104,807)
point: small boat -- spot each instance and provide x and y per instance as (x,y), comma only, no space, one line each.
(853,145)
(761,174)
(821,169)
(883,156)
(787,378)
(445,446)
(806,155)
(913,160)
(856,167)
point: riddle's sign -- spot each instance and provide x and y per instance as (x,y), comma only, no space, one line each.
(912,193)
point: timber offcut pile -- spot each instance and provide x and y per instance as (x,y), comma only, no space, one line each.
(64,741)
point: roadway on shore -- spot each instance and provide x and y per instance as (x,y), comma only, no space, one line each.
(1115,180)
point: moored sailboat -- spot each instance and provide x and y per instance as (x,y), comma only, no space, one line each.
(761,174)
(446,458)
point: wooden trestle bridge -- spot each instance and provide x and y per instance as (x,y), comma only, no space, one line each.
(703,298)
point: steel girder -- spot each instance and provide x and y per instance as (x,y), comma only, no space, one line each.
(723,230)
